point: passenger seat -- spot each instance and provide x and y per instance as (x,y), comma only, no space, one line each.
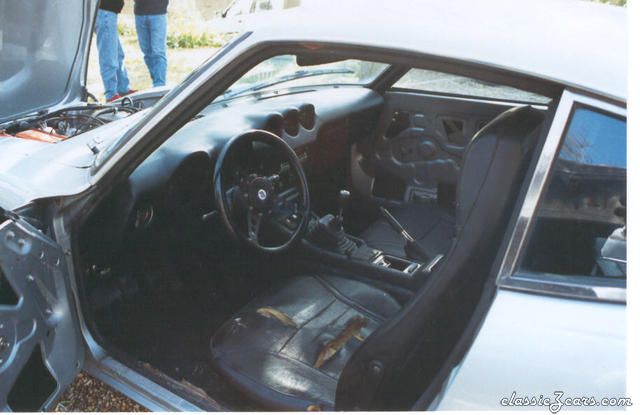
(435,226)
(431,225)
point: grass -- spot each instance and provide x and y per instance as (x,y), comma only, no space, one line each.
(190,40)
(622,3)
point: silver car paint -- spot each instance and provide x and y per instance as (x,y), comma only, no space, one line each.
(547,39)
(534,344)
(32,170)
(139,388)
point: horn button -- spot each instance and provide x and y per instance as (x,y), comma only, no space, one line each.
(261,194)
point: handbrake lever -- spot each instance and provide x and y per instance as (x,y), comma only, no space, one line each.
(411,246)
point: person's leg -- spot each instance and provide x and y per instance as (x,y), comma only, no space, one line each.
(106,39)
(142,28)
(158,37)
(123,78)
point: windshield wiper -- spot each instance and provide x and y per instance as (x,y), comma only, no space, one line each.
(9,214)
(230,93)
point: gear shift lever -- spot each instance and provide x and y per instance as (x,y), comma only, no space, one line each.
(343,202)
(411,247)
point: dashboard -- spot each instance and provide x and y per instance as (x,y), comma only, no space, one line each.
(174,184)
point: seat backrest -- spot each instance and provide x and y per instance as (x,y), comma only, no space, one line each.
(493,158)
(395,364)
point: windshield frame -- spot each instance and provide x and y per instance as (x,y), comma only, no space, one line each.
(337,67)
(205,84)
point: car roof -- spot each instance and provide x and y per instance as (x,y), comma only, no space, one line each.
(577,43)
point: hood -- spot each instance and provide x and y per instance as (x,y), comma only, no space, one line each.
(32,170)
(44,50)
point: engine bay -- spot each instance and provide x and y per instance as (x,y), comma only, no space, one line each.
(56,126)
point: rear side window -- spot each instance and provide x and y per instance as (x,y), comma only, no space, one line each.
(580,226)
(439,82)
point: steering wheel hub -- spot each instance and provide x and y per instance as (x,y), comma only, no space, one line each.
(261,194)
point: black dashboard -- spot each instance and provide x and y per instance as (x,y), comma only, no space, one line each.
(175,182)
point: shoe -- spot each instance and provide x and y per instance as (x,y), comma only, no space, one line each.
(113,98)
(131,91)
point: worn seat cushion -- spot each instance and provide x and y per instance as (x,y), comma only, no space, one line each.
(273,362)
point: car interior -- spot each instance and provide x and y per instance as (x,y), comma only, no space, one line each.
(309,247)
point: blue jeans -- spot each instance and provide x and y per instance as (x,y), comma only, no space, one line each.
(110,55)
(152,37)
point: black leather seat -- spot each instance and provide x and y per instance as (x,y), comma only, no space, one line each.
(272,359)
(431,225)
(273,362)
(411,347)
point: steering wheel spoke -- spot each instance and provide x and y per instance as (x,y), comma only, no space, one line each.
(282,208)
(237,197)
(254,220)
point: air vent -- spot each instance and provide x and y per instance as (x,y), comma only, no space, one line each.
(144,217)
(399,122)
(455,131)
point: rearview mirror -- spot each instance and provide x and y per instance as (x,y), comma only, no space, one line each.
(316,58)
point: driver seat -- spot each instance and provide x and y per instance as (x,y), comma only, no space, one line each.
(272,360)
(270,350)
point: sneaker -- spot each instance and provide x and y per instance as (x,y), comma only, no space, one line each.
(131,91)
(113,98)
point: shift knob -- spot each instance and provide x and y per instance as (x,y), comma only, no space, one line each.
(343,200)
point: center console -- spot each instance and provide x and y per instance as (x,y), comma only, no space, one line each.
(327,235)
(393,262)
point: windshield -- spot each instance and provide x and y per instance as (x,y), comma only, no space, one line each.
(283,72)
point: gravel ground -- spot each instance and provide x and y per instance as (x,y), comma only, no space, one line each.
(87,394)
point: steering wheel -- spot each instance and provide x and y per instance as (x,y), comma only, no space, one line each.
(247,199)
